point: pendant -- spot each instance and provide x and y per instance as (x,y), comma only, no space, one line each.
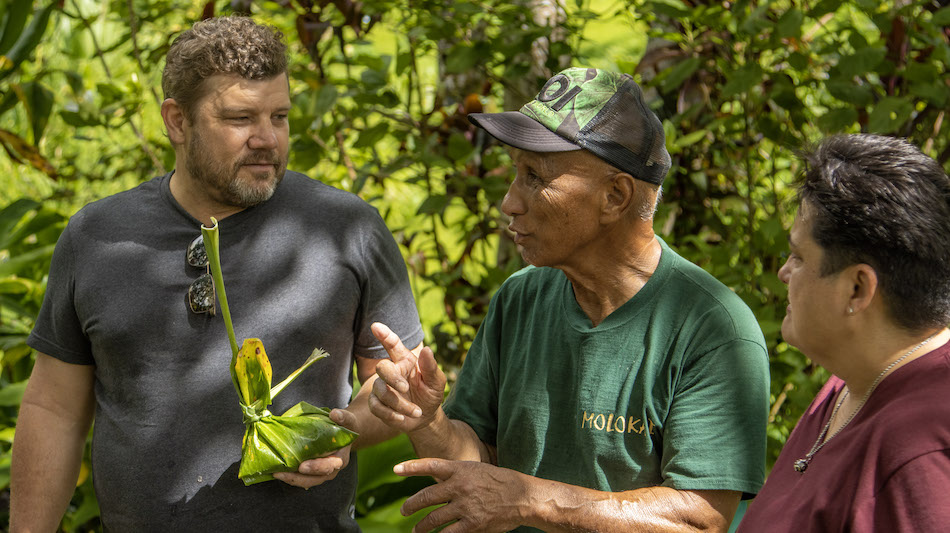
(801,465)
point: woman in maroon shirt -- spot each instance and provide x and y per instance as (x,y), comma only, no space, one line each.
(869,299)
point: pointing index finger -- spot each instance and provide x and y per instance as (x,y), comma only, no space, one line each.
(390,341)
(440,469)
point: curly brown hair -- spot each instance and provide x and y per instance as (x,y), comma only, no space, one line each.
(221,45)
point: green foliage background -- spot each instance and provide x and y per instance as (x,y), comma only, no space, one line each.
(381,89)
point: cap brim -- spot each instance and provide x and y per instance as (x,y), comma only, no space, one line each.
(521,131)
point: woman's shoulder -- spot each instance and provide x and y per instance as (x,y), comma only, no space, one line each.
(907,407)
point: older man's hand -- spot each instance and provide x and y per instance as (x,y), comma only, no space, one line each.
(477,496)
(408,394)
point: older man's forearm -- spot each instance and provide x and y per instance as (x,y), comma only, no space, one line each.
(450,439)
(558,507)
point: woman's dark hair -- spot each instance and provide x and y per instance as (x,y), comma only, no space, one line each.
(880,201)
(223,45)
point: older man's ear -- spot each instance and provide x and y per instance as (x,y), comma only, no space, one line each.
(619,197)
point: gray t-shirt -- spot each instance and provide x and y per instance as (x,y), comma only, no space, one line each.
(311,267)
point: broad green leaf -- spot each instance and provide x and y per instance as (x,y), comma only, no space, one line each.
(922,72)
(742,80)
(376,467)
(281,443)
(306,154)
(784,95)
(22,261)
(14,20)
(769,127)
(403,61)
(9,98)
(462,57)
(27,40)
(936,92)
(467,9)
(253,374)
(78,119)
(11,215)
(110,93)
(372,135)
(19,351)
(690,138)
(5,461)
(680,73)
(42,220)
(433,204)
(75,81)
(325,99)
(861,62)
(850,92)
(941,17)
(12,394)
(757,21)
(671,8)
(39,101)
(88,510)
(790,24)
(889,114)
(13,285)
(798,61)
(459,147)
(373,79)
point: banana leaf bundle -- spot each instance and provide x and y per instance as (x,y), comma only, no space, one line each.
(271,443)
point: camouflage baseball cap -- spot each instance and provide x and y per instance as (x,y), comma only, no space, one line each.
(585,108)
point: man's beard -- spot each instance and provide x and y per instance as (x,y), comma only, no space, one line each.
(224,181)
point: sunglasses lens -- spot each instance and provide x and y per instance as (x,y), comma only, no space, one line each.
(201,295)
(196,255)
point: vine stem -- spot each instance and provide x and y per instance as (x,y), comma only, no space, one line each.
(212,248)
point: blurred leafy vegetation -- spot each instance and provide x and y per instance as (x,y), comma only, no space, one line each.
(381,89)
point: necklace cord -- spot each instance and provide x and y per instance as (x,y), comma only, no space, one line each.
(802,464)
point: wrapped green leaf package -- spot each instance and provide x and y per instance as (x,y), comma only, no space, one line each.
(272,443)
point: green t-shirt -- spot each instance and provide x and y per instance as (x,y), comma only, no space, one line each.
(671,389)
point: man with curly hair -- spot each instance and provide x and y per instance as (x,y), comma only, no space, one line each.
(128,334)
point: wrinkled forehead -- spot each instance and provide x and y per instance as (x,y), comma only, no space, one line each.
(579,161)
(233,91)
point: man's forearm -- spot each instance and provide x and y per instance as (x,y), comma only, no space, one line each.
(371,429)
(47,454)
(558,507)
(450,439)
(54,419)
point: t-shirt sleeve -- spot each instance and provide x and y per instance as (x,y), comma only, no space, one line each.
(715,434)
(385,293)
(914,498)
(58,331)
(474,397)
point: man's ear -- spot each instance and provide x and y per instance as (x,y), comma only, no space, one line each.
(174,118)
(618,196)
(863,281)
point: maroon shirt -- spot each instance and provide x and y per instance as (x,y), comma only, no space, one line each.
(888,470)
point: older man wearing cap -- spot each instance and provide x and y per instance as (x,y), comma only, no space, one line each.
(613,386)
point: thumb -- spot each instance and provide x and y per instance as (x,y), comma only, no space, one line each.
(429,368)
(344,418)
